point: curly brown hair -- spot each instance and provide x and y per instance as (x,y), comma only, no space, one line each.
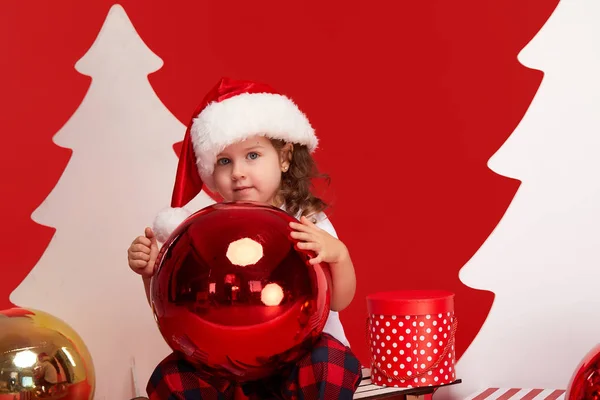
(296,182)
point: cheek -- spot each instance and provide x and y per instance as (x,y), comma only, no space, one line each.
(273,179)
(219,180)
(266,180)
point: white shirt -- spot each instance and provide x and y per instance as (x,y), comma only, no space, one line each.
(333,326)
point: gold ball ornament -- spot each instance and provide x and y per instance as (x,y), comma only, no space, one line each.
(41,357)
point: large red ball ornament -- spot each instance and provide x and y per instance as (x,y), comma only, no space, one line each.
(234,294)
(585,383)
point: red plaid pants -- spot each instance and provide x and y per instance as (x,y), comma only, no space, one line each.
(330,371)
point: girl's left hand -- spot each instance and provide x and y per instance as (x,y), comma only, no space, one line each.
(311,237)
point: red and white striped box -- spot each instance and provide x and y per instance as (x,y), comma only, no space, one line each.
(518,394)
(411,337)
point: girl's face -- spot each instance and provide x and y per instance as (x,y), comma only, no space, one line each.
(251,170)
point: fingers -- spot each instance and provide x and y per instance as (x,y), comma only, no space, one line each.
(305,225)
(143,270)
(149,233)
(304,236)
(300,227)
(142,240)
(316,260)
(138,264)
(138,255)
(315,247)
(142,254)
(142,266)
(139,248)
(309,246)
(307,221)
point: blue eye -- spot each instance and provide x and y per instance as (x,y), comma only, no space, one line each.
(223,161)
(253,155)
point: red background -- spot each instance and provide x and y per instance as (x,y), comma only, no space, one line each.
(410,99)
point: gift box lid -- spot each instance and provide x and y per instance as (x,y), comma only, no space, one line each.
(410,302)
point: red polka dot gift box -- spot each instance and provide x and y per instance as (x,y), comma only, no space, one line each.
(411,337)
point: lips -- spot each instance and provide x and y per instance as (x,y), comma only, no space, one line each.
(241,189)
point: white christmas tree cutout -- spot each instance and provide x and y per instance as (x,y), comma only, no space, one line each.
(542,259)
(120,174)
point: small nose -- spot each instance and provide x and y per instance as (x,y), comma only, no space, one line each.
(237,172)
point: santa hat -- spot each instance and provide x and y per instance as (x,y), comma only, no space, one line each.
(231,112)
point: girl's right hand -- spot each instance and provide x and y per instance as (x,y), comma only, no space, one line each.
(142,254)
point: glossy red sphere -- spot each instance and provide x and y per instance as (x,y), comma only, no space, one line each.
(585,383)
(234,294)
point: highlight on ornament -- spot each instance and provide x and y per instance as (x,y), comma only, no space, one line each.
(233,292)
(41,357)
(244,252)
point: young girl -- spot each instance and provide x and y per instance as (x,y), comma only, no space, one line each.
(247,142)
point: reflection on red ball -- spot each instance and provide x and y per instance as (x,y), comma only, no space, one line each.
(585,383)
(234,293)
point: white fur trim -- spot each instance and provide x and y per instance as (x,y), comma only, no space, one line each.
(167,221)
(237,118)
